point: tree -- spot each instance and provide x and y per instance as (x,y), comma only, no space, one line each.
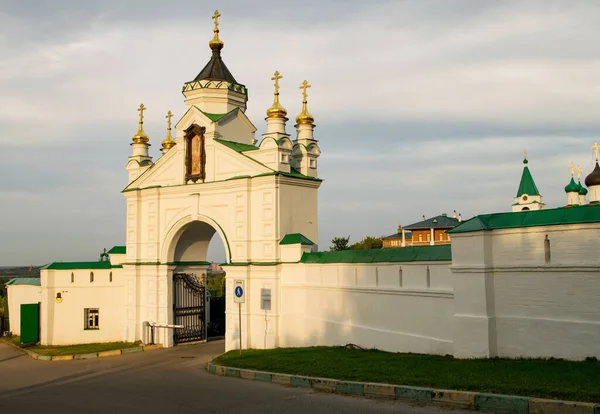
(368,243)
(339,243)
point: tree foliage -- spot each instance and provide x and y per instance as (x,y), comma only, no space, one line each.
(339,243)
(342,243)
(368,243)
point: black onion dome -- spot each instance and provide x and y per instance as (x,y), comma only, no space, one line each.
(594,177)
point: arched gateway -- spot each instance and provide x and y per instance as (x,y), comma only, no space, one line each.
(214,178)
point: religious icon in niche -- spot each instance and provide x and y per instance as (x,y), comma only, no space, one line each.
(195,153)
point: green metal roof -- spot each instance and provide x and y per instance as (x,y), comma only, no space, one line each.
(117,250)
(582,189)
(79,265)
(437,222)
(212,117)
(31,281)
(527,185)
(550,217)
(296,238)
(398,235)
(402,254)
(237,146)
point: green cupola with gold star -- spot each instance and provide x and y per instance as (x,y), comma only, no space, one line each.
(528,196)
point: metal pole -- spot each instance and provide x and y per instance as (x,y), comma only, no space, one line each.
(240,314)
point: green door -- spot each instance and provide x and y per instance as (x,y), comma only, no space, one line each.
(30,323)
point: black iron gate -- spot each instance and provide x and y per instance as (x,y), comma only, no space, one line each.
(188,308)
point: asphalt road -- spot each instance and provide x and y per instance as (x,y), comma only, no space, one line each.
(165,381)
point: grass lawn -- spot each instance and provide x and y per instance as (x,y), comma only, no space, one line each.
(74,349)
(558,379)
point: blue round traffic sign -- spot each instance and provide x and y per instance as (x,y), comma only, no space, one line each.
(239,291)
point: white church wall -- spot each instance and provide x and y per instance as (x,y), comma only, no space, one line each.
(236,128)
(513,300)
(298,209)
(391,306)
(18,295)
(64,323)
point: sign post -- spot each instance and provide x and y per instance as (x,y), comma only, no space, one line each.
(239,298)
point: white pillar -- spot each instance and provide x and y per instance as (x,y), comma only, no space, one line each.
(431,239)
(403,238)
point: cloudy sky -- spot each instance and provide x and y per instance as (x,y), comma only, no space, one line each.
(421,106)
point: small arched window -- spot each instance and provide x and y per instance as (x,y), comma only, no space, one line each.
(110,277)
(420,237)
(72,277)
(91,277)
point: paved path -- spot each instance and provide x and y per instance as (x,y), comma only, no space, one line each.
(166,381)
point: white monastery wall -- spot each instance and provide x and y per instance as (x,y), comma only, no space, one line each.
(19,295)
(371,305)
(513,302)
(64,323)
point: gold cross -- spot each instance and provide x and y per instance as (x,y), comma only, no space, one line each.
(276,78)
(216,19)
(304,86)
(141,110)
(596,147)
(572,168)
(525,154)
(169,116)
(578,172)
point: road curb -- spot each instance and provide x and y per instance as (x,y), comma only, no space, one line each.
(460,399)
(94,355)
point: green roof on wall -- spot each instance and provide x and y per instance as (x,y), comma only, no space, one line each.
(403,254)
(79,265)
(117,250)
(296,238)
(550,217)
(30,281)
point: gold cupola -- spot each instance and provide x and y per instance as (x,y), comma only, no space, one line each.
(215,42)
(140,136)
(276,110)
(305,117)
(168,142)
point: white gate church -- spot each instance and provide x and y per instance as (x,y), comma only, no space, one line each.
(514,284)
(211,178)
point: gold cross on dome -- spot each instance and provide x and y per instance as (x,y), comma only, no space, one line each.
(276,77)
(216,19)
(578,172)
(572,168)
(141,110)
(169,116)
(304,86)
(596,147)
(525,154)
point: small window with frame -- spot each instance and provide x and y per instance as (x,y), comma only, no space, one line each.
(313,163)
(92,319)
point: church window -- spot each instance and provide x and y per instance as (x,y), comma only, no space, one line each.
(441,236)
(428,237)
(420,237)
(92,318)
(313,163)
(72,277)
(110,277)
(284,158)
(91,277)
